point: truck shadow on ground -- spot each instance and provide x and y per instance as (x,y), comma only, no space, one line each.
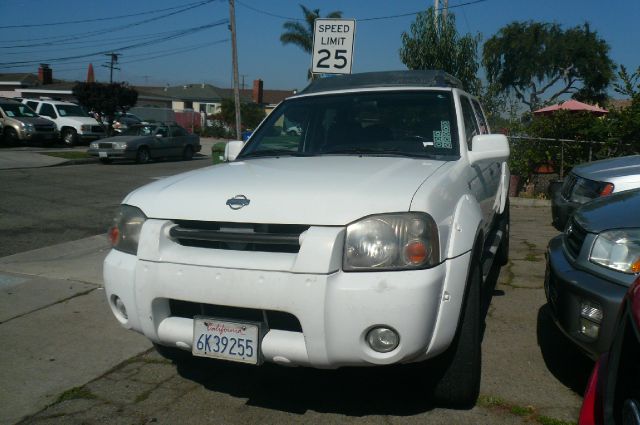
(563,359)
(399,390)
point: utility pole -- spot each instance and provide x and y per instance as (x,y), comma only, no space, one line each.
(111,64)
(436,6)
(234,54)
(445,8)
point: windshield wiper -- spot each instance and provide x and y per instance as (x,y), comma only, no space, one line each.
(274,152)
(370,151)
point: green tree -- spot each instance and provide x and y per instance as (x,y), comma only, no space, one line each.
(541,62)
(431,47)
(301,34)
(105,99)
(252,114)
(629,84)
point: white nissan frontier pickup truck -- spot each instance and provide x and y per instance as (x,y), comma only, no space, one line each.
(360,240)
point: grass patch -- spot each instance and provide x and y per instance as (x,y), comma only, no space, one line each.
(521,411)
(545,420)
(69,155)
(529,244)
(76,393)
(531,257)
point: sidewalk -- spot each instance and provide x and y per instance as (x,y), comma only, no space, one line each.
(56,327)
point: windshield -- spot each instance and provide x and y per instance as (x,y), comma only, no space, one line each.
(139,130)
(415,124)
(17,110)
(71,111)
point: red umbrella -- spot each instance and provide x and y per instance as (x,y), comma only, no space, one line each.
(572,105)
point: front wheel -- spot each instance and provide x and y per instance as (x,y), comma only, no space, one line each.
(142,156)
(69,137)
(459,367)
(10,136)
(187,154)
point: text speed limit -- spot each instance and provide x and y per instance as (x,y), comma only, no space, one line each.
(333,46)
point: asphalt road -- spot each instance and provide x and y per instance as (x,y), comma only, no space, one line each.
(531,374)
(45,206)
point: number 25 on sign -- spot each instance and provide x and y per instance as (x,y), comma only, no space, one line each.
(333,46)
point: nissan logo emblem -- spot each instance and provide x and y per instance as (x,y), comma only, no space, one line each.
(238,202)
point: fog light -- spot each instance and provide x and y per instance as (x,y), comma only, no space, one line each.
(383,340)
(589,329)
(120,308)
(592,311)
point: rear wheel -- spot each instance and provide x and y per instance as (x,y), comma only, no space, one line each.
(459,367)
(187,154)
(69,136)
(142,156)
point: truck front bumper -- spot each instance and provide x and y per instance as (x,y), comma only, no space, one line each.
(334,310)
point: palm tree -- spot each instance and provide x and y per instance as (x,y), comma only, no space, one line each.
(302,35)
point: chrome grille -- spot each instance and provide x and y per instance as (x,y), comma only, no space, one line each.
(238,236)
(574,238)
(105,145)
(97,129)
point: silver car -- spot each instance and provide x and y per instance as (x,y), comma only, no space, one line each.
(591,181)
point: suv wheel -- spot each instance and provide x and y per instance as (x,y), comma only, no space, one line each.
(69,136)
(10,136)
(459,367)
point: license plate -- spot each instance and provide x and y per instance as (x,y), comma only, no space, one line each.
(102,154)
(220,339)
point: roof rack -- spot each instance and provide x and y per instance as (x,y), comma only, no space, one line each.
(429,78)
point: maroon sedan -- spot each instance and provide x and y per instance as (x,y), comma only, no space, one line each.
(613,392)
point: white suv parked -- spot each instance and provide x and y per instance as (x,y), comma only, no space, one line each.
(73,122)
(362,240)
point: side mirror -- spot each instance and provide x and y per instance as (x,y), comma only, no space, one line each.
(488,147)
(232,149)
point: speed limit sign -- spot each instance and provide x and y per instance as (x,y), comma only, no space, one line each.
(333,46)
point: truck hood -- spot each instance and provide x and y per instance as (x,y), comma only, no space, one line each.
(323,190)
(36,121)
(616,211)
(80,120)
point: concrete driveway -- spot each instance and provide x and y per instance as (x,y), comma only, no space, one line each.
(66,361)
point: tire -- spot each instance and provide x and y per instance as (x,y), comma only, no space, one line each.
(10,136)
(458,383)
(69,137)
(502,256)
(187,154)
(172,353)
(105,160)
(143,156)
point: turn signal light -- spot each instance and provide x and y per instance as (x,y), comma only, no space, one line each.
(114,235)
(415,252)
(635,266)
(607,189)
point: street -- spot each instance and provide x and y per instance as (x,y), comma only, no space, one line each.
(72,363)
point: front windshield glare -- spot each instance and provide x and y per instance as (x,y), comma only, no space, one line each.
(17,111)
(412,123)
(71,111)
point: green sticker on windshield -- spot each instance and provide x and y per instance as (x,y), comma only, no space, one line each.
(442,138)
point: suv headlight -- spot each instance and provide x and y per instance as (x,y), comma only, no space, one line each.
(125,232)
(618,250)
(28,127)
(391,242)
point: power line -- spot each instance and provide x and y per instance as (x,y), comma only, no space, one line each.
(58,39)
(182,33)
(128,15)
(377,18)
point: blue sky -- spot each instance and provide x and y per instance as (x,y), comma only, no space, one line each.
(205,56)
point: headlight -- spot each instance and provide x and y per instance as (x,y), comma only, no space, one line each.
(93,145)
(125,232)
(618,250)
(391,242)
(586,190)
(85,127)
(119,145)
(29,128)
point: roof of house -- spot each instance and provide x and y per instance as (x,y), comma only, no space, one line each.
(22,78)
(572,105)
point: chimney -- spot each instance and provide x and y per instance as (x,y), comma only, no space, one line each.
(257,92)
(45,74)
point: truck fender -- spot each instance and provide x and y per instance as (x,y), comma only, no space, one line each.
(466,223)
(503,190)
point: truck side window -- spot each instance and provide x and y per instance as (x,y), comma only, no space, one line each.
(484,127)
(33,105)
(47,110)
(470,125)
